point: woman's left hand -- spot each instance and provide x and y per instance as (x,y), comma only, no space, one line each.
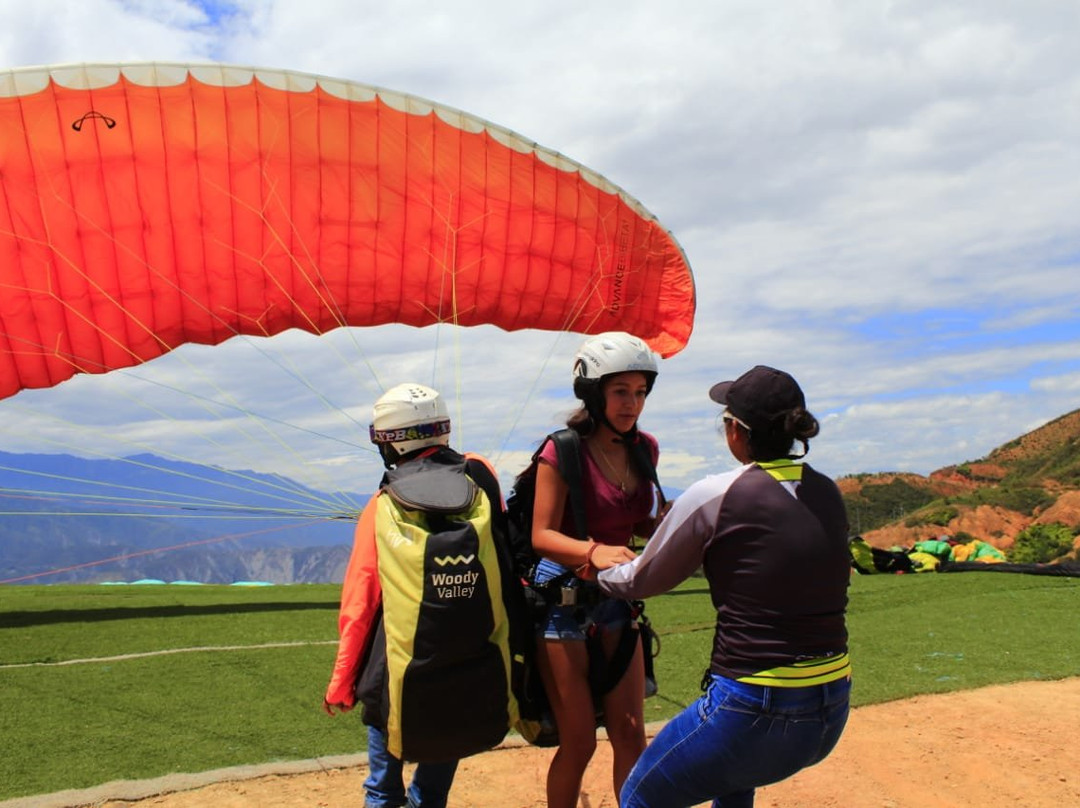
(610,555)
(602,557)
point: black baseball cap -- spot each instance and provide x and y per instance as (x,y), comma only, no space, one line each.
(760,396)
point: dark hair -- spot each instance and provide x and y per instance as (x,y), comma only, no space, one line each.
(581,421)
(769,444)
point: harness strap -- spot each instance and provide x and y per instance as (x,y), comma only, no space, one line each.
(605,673)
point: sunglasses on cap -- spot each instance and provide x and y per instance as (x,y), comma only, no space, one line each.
(727,416)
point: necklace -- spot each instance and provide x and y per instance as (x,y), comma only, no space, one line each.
(620,479)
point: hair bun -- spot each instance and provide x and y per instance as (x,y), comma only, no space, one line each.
(801,424)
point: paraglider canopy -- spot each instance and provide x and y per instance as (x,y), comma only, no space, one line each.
(144,206)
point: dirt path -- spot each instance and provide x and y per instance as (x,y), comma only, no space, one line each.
(1002,746)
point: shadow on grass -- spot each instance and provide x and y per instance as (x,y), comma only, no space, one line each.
(50,617)
(703,590)
(23,619)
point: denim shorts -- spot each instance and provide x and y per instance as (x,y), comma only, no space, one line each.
(572,622)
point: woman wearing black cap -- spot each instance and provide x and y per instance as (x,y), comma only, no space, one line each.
(771,537)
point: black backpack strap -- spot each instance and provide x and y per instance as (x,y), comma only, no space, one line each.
(643,462)
(481,474)
(485,479)
(568,451)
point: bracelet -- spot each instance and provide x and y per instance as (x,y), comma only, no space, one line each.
(586,565)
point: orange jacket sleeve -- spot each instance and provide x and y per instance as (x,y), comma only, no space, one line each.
(361,596)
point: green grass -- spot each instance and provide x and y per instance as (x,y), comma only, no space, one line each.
(912,634)
(74,726)
(79,725)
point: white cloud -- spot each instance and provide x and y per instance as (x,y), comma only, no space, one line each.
(1066,384)
(878,196)
(53,31)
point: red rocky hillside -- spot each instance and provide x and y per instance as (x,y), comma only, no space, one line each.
(1032,479)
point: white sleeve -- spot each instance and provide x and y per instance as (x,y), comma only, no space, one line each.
(678,545)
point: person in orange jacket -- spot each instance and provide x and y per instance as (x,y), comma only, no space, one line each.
(422,621)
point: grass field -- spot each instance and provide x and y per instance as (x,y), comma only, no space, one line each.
(183,678)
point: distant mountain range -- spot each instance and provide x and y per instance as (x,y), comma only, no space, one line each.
(70,519)
(1033,479)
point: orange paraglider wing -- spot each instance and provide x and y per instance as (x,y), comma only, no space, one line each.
(149,205)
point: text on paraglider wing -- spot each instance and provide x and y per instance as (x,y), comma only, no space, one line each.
(622,248)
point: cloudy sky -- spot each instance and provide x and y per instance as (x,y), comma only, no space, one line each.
(882,198)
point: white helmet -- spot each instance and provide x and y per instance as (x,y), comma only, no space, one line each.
(410,417)
(607,354)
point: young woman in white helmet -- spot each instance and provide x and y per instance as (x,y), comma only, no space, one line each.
(613,374)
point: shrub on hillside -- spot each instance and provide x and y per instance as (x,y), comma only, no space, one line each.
(1039,544)
(877,505)
(940,516)
(1025,500)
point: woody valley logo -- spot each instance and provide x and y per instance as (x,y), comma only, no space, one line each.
(442,561)
(454,584)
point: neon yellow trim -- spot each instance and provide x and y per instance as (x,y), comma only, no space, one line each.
(803,674)
(783,470)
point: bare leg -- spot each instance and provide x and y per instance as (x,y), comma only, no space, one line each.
(564,667)
(624,714)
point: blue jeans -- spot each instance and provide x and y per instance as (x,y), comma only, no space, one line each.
(735,738)
(385,785)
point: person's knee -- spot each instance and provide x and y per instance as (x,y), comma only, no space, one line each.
(628,735)
(577,748)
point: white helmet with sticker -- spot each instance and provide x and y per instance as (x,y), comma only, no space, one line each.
(409,417)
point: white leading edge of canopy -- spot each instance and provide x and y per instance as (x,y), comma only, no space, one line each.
(30,80)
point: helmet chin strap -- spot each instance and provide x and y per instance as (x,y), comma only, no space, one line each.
(598,416)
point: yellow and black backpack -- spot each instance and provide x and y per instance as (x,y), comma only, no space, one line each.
(439,676)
